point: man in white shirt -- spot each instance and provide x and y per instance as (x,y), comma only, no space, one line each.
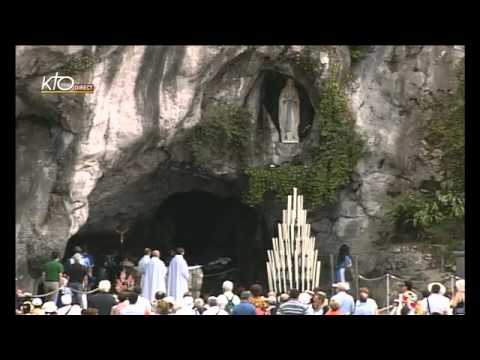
(213,308)
(133,308)
(141,301)
(142,264)
(68,308)
(436,303)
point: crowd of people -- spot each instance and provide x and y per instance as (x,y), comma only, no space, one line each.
(155,289)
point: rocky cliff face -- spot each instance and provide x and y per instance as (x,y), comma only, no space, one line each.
(93,162)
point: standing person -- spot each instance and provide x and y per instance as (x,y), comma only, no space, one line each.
(437,303)
(133,308)
(88,263)
(122,303)
(258,300)
(347,304)
(319,304)
(344,261)
(178,276)
(198,306)
(293,306)
(244,307)
(230,299)
(142,264)
(334,308)
(365,305)
(77,251)
(458,301)
(103,301)
(52,273)
(213,308)
(125,280)
(187,307)
(155,276)
(78,276)
(68,308)
(143,301)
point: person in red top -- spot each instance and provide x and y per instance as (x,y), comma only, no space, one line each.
(125,281)
(334,308)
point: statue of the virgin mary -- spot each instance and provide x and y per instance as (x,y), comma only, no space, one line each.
(289,113)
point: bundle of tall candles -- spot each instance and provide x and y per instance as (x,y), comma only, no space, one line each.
(293,262)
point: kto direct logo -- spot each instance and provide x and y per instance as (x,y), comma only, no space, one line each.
(64,84)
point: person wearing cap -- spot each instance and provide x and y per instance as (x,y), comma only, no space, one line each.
(293,306)
(68,308)
(228,297)
(347,304)
(103,300)
(198,306)
(319,304)
(78,277)
(52,272)
(437,303)
(364,304)
(213,308)
(244,307)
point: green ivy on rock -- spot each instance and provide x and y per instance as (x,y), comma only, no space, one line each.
(77,64)
(333,160)
(426,213)
(224,134)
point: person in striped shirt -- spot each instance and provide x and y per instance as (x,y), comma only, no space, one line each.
(293,306)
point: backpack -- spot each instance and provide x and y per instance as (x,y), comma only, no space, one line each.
(230,305)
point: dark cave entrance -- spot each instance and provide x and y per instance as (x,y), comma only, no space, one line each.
(207,226)
(272,85)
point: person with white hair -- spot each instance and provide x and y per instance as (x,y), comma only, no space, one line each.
(78,277)
(347,304)
(103,301)
(68,308)
(228,297)
(155,277)
(187,307)
(214,308)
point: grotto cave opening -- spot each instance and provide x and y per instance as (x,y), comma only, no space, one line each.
(272,85)
(206,225)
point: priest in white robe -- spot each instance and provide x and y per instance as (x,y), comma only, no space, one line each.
(178,276)
(155,277)
(142,265)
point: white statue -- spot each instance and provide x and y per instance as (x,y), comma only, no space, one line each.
(289,113)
